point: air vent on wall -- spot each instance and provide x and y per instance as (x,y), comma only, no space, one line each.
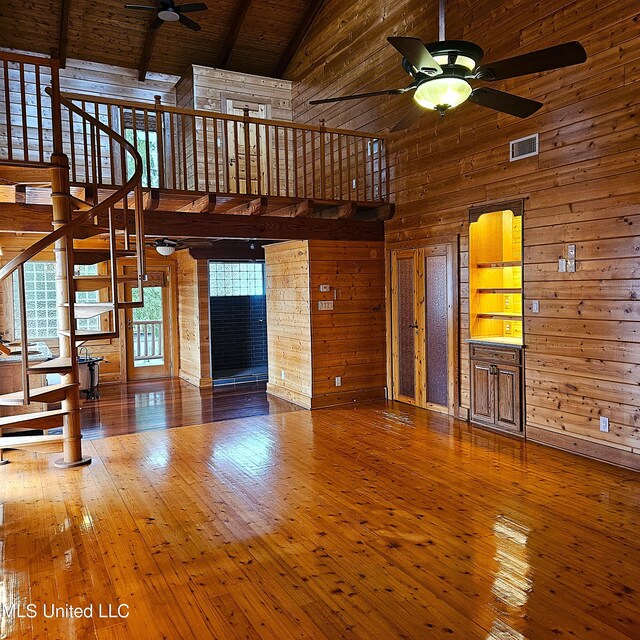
(523,147)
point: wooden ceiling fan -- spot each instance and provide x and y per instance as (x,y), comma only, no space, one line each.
(441,72)
(169,11)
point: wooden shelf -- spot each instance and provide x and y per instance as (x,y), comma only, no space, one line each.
(500,290)
(499,265)
(499,316)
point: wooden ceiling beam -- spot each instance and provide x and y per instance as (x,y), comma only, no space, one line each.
(64,33)
(195,225)
(303,28)
(255,207)
(232,36)
(147,51)
(204,204)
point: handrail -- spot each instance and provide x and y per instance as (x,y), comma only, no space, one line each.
(220,116)
(86,216)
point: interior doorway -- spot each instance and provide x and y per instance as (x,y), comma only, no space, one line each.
(424,326)
(149,330)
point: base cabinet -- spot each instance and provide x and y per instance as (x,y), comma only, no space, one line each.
(496,388)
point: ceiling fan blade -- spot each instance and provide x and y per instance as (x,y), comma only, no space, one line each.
(409,118)
(194,6)
(561,55)
(156,23)
(140,6)
(188,22)
(388,92)
(505,102)
(416,53)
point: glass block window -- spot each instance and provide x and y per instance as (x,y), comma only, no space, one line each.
(40,289)
(236,279)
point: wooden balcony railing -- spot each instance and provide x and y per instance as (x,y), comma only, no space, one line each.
(147,340)
(186,150)
(201,151)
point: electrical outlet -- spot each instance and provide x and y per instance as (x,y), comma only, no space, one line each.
(325,305)
(571,252)
(562,265)
(507,328)
(604,424)
(571,266)
(507,302)
(535,306)
(324,288)
(338,381)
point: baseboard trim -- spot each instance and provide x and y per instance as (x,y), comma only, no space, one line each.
(289,395)
(347,397)
(585,448)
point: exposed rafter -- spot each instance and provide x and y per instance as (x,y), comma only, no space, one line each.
(64,32)
(233,34)
(305,24)
(147,50)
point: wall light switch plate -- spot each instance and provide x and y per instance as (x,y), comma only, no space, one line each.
(325,305)
(535,306)
(571,266)
(604,424)
(324,288)
(571,252)
(338,381)
(562,265)
(282,373)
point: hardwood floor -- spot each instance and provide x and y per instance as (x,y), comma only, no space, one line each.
(360,522)
(165,404)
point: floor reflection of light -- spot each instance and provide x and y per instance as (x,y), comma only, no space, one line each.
(250,452)
(512,584)
(150,399)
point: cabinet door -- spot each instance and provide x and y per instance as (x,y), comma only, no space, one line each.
(507,393)
(482,392)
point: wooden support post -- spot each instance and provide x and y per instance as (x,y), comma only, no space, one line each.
(63,249)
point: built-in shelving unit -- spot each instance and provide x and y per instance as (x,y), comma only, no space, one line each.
(495,277)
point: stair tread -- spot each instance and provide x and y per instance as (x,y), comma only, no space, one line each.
(9,421)
(55,363)
(15,398)
(16,442)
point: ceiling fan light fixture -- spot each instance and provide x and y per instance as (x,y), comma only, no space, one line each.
(169,15)
(165,250)
(442,93)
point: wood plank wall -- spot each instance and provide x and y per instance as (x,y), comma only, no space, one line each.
(582,351)
(312,346)
(289,321)
(193,320)
(348,341)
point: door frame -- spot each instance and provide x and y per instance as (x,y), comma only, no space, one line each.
(452,243)
(170,329)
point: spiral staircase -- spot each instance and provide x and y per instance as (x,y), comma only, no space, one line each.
(26,137)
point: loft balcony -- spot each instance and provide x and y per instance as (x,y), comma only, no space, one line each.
(194,161)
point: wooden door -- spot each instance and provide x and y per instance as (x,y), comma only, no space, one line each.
(483,392)
(237,154)
(507,397)
(149,330)
(407,354)
(424,326)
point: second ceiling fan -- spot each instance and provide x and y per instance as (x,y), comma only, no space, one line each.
(169,11)
(441,72)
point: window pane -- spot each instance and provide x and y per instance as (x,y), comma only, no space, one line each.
(236,279)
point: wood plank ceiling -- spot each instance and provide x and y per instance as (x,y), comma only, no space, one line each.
(251,36)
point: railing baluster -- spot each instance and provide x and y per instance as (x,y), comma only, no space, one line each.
(72,142)
(277,143)
(305,191)
(24,338)
(194,153)
(216,153)
(295,162)
(225,154)
(98,143)
(123,153)
(160,143)
(313,163)
(332,167)
(205,143)
(237,154)
(39,124)
(258,161)
(147,146)
(23,97)
(247,152)
(285,130)
(340,165)
(7,106)
(267,137)
(185,174)
(112,160)
(323,176)
(83,106)
(174,156)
